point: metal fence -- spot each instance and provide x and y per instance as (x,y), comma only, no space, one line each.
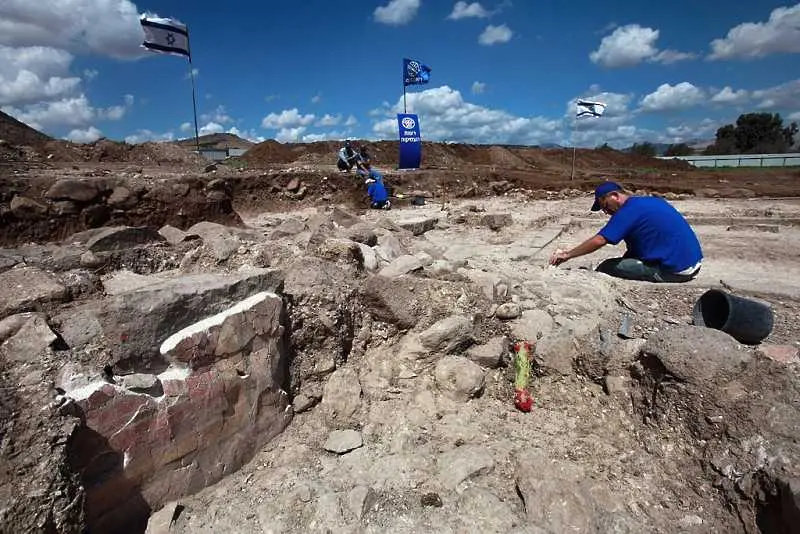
(742,160)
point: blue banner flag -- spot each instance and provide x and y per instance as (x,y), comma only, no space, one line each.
(410,141)
(415,73)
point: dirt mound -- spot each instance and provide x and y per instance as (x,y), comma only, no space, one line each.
(450,155)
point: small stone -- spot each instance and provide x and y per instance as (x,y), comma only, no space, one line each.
(786,354)
(509,310)
(431,499)
(343,441)
(89,259)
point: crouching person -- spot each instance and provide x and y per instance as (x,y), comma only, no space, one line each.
(378,196)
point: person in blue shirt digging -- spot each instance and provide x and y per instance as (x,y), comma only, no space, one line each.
(378,195)
(661,246)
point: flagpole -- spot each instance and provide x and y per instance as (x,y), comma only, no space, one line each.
(574,148)
(194,98)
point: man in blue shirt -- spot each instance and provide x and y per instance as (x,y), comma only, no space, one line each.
(661,246)
(378,196)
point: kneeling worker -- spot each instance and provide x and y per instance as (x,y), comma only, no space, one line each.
(378,196)
(661,246)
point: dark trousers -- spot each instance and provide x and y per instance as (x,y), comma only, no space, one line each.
(633,269)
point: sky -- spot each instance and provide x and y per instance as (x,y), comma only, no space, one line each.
(310,70)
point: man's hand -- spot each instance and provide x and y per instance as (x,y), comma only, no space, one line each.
(558,257)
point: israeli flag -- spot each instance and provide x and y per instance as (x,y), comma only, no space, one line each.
(165,36)
(415,72)
(587,108)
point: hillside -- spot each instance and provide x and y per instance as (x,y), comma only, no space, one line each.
(217,140)
(15,132)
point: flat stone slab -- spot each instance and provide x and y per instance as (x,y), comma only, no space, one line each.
(343,441)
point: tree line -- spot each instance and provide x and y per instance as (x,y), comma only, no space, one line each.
(753,133)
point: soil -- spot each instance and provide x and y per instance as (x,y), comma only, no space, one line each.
(587,458)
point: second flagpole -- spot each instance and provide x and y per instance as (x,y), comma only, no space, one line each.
(194,98)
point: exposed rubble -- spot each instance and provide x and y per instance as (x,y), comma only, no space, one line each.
(335,370)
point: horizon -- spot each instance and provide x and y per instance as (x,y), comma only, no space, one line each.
(505,74)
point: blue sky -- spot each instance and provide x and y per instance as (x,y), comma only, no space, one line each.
(502,72)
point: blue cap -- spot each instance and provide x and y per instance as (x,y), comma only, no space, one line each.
(602,190)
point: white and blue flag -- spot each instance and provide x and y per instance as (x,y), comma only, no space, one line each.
(165,36)
(587,108)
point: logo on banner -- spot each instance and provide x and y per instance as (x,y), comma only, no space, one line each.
(408,123)
(413,69)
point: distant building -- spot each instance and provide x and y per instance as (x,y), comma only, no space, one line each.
(220,154)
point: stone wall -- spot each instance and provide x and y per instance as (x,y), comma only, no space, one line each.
(152,438)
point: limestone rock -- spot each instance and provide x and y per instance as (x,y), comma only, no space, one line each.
(370,259)
(389,248)
(341,396)
(418,225)
(123,237)
(400,266)
(458,378)
(27,208)
(463,463)
(532,323)
(696,354)
(69,189)
(27,343)
(26,287)
(509,310)
(175,236)
(489,354)
(137,320)
(449,334)
(342,441)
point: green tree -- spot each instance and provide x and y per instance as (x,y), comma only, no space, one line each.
(644,149)
(754,133)
(604,147)
(678,149)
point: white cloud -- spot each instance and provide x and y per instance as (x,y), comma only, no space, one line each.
(105,27)
(478,88)
(794,116)
(270,98)
(690,131)
(34,73)
(329,120)
(290,135)
(397,12)
(88,135)
(288,118)
(495,34)
(186,127)
(463,10)
(351,121)
(673,97)
(326,136)
(781,97)
(780,34)
(316,99)
(629,45)
(219,115)
(250,135)
(727,95)
(142,136)
(211,128)
(90,74)
(447,116)
(67,112)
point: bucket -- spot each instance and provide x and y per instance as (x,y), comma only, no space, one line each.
(747,321)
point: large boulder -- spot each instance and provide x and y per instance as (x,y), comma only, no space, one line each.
(137,320)
(219,401)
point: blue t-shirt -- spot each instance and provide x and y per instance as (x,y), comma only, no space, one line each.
(377,192)
(654,231)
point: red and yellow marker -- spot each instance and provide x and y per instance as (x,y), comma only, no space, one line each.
(523,355)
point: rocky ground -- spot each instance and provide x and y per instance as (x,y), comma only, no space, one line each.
(330,369)
(413,437)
